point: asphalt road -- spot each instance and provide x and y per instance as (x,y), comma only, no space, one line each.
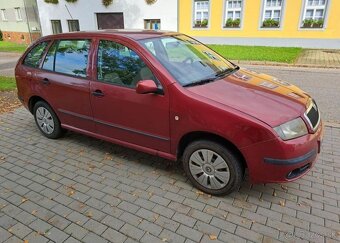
(322,84)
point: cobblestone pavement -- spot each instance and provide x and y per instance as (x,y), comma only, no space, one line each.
(327,58)
(79,189)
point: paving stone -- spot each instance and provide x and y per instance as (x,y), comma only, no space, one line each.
(76,231)
(20,230)
(189,233)
(91,238)
(114,236)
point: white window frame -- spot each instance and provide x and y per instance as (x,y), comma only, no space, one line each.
(315,7)
(274,8)
(233,9)
(3,14)
(201,11)
(18,14)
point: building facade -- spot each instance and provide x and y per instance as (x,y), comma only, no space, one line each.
(121,14)
(304,23)
(19,21)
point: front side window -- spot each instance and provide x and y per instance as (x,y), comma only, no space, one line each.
(56,27)
(314,13)
(119,65)
(152,24)
(34,57)
(233,13)
(201,14)
(71,57)
(187,60)
(73,25)
(272,12)
(18,15)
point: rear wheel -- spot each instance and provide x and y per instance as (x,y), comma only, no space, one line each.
(212,168)
(47,121)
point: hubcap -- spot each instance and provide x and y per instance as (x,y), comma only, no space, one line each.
(45,120)
(209,169)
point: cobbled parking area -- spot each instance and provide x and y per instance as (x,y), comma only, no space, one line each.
(79,189)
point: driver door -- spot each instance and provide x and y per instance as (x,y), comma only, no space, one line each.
(119,112)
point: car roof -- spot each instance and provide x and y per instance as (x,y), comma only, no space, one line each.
(132,34)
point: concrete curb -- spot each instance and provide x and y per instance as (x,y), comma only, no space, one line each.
(280,64)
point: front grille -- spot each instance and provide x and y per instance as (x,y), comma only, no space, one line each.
(313,115)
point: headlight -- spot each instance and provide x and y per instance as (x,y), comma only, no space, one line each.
(292,129)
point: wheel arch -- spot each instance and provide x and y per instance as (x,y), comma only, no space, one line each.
(33,100)
(199,135)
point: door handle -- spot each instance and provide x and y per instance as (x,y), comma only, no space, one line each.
(98,93)
(45,81)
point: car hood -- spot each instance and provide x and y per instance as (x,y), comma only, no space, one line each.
(264,97)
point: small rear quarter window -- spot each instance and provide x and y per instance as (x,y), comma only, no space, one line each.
(33,58)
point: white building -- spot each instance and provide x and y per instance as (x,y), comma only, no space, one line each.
(81,15)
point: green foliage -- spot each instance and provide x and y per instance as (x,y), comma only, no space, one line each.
(204,23)
(230,23)
(258,53)
(7,83)
(71,1)
(52,1)
(271,23)
(313,23)
(106,3)
(6,46)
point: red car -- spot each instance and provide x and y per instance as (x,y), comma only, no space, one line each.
(169,95)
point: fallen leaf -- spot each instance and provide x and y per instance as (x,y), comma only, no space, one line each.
(212,237)
(199,193)
(164,239)
(282,203)
(34,212)
(2,158)
(24,199)
(89,214)
(25,241)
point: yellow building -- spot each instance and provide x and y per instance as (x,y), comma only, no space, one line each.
(305,23)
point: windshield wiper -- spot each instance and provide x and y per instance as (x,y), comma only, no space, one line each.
(225,72)
(218,75)
(200,82)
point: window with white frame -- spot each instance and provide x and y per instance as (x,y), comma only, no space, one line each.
(3,14)
(18,15)
(272,12)
(233,13)
(314,13)
(201,13)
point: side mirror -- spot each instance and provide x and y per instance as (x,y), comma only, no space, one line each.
(147,87)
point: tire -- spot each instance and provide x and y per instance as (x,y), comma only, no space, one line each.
(207,164)
(47,121)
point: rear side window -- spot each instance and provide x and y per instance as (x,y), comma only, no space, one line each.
(68,57)
(35,55)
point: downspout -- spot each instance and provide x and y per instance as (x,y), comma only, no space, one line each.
(28,22)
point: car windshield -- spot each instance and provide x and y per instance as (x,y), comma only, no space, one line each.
(188,61)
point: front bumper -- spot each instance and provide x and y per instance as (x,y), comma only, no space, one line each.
(282,161)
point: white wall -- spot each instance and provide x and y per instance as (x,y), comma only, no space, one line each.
(135,11)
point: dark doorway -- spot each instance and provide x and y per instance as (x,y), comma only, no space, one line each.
(110,20)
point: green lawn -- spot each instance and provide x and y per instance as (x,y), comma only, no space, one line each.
(6,46)
(258,53)
(7,83)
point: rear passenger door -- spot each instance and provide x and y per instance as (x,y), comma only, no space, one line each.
(63,80)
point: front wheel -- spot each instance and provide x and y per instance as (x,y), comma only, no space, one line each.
(212,168)
(47,121)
